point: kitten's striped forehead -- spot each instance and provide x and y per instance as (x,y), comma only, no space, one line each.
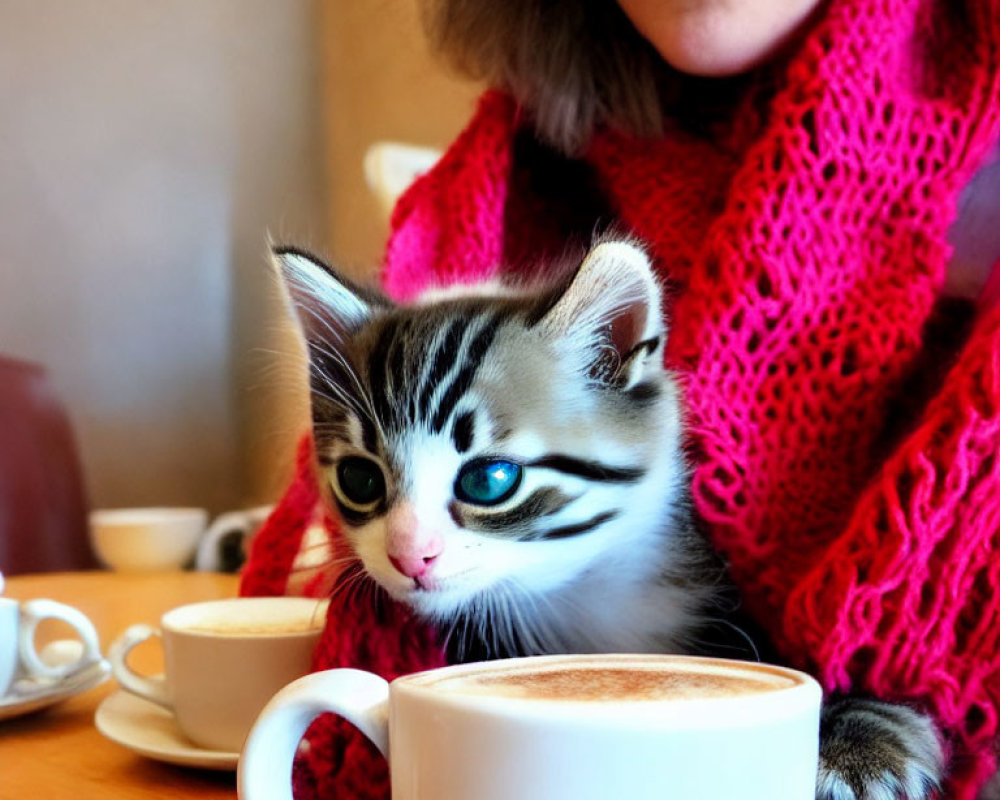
(418,363)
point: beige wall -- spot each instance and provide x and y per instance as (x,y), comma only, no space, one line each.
(145,150)
(380,82)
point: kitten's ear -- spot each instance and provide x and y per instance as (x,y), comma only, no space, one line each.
(326,304)
(612,309)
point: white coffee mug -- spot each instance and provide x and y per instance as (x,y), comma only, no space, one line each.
(243,524)
(18,656)
(224,659)
(561,728)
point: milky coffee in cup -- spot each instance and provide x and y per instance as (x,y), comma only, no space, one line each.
(562,728)
(612,680)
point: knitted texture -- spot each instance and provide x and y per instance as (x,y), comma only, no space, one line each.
(804,251)
(275,545)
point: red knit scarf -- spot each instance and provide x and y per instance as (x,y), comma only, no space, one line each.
(805,258)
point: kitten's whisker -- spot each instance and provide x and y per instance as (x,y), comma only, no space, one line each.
(351,580)
(695,639)
(489,622)
(461,647)
(347,369)
(531,626)
(335,562)
(510,616)
(535,627)
(556,641)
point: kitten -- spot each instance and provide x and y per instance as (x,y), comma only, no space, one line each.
(509,463)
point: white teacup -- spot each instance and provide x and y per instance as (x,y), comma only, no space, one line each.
(18,656)
(562,728)
(224,659)
(146,539)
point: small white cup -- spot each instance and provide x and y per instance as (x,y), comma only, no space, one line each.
(18,656)
(146,539)
(224,659)
(242,524)
(561,728)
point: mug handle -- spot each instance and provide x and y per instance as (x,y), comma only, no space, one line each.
(152,688)
(207,557)
(265,768)
(32,613)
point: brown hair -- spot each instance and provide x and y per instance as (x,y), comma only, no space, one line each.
(576,66)
(573,64)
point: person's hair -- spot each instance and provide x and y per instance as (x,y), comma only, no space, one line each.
(573,64)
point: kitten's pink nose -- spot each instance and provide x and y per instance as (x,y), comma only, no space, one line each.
(411,550)
(412,566)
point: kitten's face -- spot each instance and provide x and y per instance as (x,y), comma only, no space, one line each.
(490,443)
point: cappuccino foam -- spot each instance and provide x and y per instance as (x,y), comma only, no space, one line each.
(245,628)
(614,680)
(248,617)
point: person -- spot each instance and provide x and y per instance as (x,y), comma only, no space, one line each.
(818,183)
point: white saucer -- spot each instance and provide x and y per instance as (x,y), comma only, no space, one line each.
(150,730)
(27,695)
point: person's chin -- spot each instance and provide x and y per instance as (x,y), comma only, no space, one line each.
(721,40)
(709,56)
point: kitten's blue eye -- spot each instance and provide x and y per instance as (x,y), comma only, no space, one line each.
(360,481)
(487,483)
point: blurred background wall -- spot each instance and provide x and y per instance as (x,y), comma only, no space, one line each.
(380,83)
(146,151)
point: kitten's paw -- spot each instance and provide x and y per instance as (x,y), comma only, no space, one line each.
(870,750)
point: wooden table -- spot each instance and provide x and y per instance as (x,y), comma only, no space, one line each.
(58,752)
